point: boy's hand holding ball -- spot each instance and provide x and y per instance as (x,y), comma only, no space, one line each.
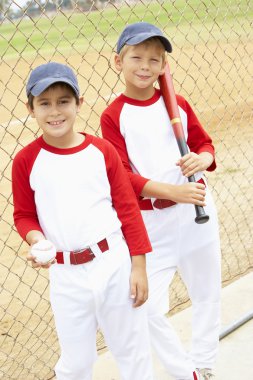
(43,252)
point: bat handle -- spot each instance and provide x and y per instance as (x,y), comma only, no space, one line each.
(201,216)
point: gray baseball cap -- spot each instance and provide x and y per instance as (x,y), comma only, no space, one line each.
(141,31)
(45,75)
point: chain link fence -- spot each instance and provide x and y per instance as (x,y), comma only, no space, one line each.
(212,67)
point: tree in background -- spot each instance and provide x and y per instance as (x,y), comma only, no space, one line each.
(4,8)
(14,9)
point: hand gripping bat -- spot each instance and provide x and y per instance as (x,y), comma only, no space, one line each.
(169,96)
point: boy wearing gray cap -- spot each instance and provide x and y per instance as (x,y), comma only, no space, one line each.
(137,124)
(75,207)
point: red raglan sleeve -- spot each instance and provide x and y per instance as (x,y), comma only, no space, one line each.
(125,203)
(25,214)
(198,139)
(110,127)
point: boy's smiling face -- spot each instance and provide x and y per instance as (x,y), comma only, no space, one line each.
(141,66)
(55,111)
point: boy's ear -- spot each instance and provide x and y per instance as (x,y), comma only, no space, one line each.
(118,62)
(162,70)
(30,109)
(163,67)
(81,100)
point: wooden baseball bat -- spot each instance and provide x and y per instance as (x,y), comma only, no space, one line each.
(169,96)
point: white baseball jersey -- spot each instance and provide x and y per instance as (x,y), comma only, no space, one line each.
(142,134)
(76,196)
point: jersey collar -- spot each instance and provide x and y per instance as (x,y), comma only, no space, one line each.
(75,149)
(141,103)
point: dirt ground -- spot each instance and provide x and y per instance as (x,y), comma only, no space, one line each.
(218,85)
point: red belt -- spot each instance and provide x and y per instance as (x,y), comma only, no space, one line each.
(83,256)
(146,204)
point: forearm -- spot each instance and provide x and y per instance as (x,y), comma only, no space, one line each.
(138,280)
(139,262)
(159,190)
(207,159)
(189,192)
(34,236)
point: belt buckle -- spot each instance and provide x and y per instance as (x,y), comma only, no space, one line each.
(82,250)
(82,256)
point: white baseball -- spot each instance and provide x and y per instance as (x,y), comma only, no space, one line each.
(44,251)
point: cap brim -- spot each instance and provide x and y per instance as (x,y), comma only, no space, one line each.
(43,84)
(145,36)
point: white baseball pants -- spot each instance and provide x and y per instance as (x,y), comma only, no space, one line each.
(179,244)
(94,294)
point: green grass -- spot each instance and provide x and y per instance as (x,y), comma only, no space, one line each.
(181,20)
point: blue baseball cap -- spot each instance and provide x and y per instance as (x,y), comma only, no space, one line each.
(45,75)
(141,31)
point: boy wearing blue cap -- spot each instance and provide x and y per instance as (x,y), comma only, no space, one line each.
(72,197)
(137,124)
